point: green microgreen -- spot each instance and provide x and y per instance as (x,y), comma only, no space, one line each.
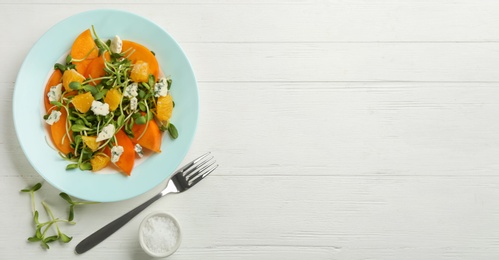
(141,120)
(163,126)
(69,59)
(169,81)
(60,67)
(73,203)
(72,166)
(75,85)
(31,192)
(42,229)
(172,130)
(82,59)
(151,81)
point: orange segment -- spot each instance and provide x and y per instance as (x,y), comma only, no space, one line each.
(164,108)
(143,54)
(90,142)
(83,102)
(99,161)
(70,76)
(83,45)
(113,99)
(140,72)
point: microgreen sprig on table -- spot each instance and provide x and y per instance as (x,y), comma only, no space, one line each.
(31,192)
(42,228)
(73,203)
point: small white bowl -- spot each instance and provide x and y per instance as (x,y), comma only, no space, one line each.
(159,234)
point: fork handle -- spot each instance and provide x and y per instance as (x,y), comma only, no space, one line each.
(103,233)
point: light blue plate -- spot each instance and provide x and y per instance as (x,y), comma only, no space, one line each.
(27,106)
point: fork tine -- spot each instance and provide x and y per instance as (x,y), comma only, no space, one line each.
(199,169)
(189,171)
(201,157)
(192,163)
(202,176)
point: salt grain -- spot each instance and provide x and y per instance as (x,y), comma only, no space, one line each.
(160,234)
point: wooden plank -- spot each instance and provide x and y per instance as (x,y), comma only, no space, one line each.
(312,62)
(358,46)
(288,21)
(327,217)
(454,62)
(354,217)
(351,128)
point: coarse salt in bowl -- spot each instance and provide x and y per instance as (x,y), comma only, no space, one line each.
(159,234)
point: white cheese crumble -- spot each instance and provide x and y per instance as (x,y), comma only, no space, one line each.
(106,133)
(55,92)
(116,153)
(138,150)
(99,108)
(116,44)
(133,103)
(131,90)
(161,88)
(53,117)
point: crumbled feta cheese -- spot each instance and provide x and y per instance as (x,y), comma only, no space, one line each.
(99,108)
(53,117)
(116,44)
(106,133)
(133,103)
(116,152)
(131,90)
(161,88)
(55,92)
(138,150)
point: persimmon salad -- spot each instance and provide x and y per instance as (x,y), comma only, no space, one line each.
(107,103)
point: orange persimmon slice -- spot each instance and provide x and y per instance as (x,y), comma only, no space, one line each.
(95,69)
(151,138)
(58,132)
(54,79)
(84,44)
(127,158)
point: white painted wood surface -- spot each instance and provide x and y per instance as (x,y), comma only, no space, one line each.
(363,129)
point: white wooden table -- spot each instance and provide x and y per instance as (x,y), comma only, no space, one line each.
(363,129)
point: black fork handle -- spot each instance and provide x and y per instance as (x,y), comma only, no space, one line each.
(103,233)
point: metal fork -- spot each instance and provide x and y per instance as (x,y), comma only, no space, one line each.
(182,180)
